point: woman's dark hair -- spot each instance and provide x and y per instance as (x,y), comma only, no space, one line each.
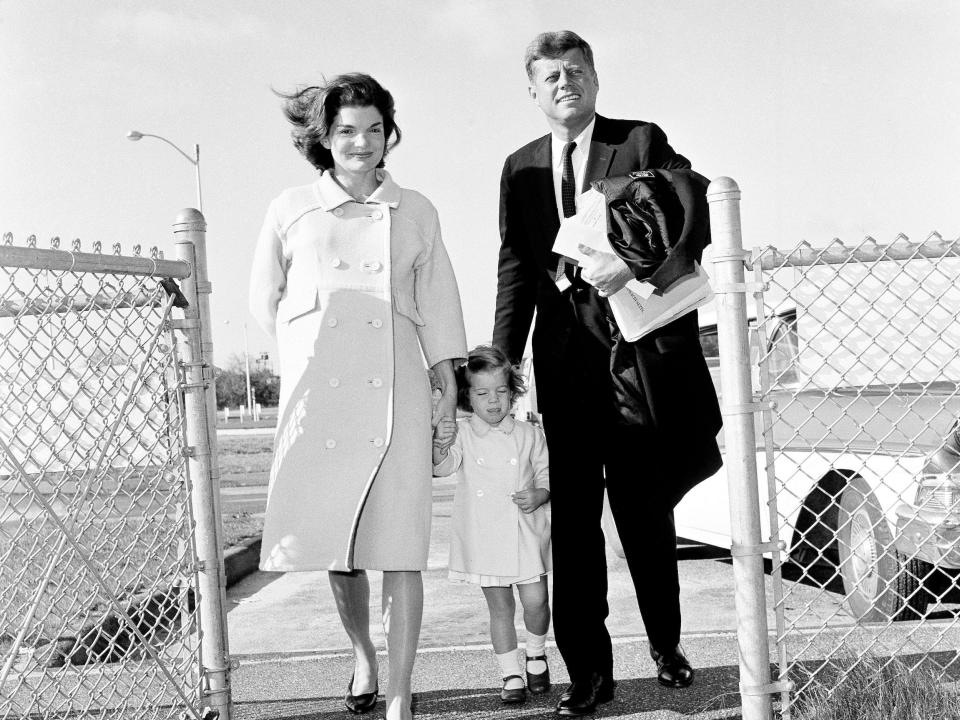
(551,45)
(311,110)
(486,358)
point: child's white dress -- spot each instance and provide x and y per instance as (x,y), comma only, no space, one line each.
(492,542)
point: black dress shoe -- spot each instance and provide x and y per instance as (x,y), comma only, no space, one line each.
(583,696)
(360,704)
(673,668)
(538,682)
(512,696)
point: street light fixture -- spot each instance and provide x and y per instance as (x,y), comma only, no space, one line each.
(135,135)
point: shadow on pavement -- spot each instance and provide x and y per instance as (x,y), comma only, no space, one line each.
(254,584)
(714,694)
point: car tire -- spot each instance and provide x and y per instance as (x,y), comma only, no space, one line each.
(880,583)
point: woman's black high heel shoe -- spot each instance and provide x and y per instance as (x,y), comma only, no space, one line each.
(360,704)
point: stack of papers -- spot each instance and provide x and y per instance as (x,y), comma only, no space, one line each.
(637,309)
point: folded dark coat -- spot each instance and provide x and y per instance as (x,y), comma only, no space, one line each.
(658,223)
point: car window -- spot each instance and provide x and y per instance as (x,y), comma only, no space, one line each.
(708,341)
(711,347)
(784,351)
(782,356)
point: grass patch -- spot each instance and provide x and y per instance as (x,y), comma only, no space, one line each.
(876,689)
(134,556)
(244,459)
(134,553)
(240,526)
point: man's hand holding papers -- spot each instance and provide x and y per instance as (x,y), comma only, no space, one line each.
(638,308)
(605,271)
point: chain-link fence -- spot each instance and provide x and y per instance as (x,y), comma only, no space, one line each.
(854,362)
(100,598)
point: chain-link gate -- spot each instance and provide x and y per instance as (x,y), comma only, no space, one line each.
(855,358)
(100,592)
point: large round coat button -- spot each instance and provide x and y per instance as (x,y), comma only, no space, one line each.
(479,461)
(338,212)
(479,493)
(334,382)
(332,322)
(336,262)
(376,214)
(376,382)
(513,461)
(372,266)
(377,323)
(331,444)
(378,442)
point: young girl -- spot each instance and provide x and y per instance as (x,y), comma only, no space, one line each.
(500,529)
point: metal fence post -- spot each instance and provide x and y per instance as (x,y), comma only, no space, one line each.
(740,442)
(190,240)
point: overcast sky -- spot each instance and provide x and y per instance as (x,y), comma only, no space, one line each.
(837,119)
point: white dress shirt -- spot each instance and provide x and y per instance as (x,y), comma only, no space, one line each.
(580,155)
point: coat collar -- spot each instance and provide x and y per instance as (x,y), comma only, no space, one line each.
(601,153)
(481,428)
(330,195)
(599,160)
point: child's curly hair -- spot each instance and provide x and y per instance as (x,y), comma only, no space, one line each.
(487,358)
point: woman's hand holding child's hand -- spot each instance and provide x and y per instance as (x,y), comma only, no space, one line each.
(445,408)
(530,500)
(444,434)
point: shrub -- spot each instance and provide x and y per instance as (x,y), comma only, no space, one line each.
(231,384)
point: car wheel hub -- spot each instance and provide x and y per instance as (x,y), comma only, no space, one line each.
(863,554)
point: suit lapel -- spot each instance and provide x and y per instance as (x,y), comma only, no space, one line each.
(601,154)
(548,201)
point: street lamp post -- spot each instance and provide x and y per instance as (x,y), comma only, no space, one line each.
(246,362)
(135,135)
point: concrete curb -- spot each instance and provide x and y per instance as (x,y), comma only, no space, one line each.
(241,560)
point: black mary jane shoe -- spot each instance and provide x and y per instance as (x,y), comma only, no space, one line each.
(538,683)
(512,696)
(673,668)
(360,704)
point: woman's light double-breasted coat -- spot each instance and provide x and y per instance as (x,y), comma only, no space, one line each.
(358,296)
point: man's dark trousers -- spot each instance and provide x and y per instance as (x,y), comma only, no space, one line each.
(590,448)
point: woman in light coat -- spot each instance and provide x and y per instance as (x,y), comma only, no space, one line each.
(351,276)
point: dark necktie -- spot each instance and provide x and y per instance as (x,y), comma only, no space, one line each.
(568,189)
(567,194)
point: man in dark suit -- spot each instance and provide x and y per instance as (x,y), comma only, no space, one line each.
(593,442)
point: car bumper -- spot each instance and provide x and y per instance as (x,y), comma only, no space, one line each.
(929,535)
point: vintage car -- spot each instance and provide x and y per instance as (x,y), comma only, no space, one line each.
(867,480)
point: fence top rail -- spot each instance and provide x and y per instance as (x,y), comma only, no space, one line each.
(869,250)
(66,260)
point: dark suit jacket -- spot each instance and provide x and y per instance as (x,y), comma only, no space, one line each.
(529,222)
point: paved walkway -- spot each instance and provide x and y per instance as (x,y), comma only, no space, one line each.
(295,663)
(459,682)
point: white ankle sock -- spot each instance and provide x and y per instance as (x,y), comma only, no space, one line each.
(536,646)
(510,665)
